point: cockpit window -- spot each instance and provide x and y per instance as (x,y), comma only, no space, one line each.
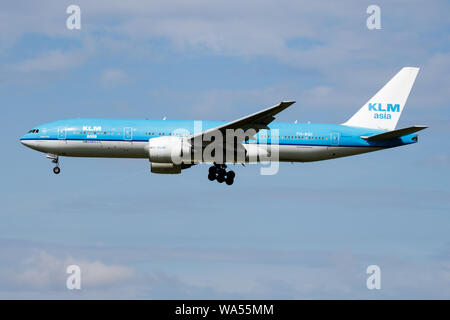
(34,131)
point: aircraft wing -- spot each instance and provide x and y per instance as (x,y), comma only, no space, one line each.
(256,121)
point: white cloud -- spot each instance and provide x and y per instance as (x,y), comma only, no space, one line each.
(219,273)
(113,77)
(43,271)
(350,58)
(51,61)
(439,160)
(433,82)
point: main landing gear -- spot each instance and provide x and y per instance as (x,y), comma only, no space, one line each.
(55,160)
(218,172)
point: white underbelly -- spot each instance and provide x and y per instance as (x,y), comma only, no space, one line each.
(133,149)
(302,153)
(95,148)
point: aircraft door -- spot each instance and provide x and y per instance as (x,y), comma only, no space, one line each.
(334,138)
(61,133)
(128,134)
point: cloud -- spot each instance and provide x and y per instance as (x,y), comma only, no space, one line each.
(439,160)
(433,81)
(348,65)
(350,58)
(38,271)
(265,29)
(44,271)
(227,104)
(113,77)
(218,273)
(51,61)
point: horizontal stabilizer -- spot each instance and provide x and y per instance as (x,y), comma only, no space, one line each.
(394,133)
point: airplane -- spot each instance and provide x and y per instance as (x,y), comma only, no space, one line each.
(175,145)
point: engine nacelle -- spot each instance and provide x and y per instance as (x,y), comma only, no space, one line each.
(256,153)
(165,168)
(168,150)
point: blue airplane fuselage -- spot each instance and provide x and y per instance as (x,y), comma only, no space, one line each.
(129,138)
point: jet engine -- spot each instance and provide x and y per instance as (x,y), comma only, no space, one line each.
(168,150)
(165,168)
(168,153)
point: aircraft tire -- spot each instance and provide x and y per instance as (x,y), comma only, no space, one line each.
(220,178)
(229,181)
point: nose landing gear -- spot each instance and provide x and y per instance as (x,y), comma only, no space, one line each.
(218,172)
(55,160)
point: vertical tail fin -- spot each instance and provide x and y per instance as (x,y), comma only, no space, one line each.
(383,110)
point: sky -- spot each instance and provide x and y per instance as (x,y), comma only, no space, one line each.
(308,232)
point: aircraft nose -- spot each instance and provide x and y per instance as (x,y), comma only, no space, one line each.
(25,142)
(32,144)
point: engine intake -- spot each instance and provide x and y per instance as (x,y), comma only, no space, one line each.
(168,150)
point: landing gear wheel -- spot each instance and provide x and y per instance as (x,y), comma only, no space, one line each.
(220,178)
(230,178)
(55,160)
(212,170)
(218,172)
(221,175)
